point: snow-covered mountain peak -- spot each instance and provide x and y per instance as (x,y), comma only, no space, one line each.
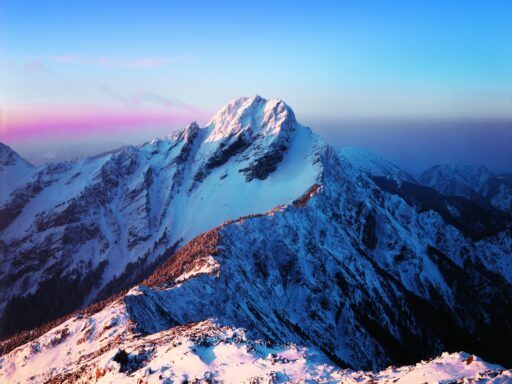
(254,115)
(253,132)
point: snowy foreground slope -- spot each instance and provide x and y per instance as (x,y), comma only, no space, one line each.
(327,263)
(104,349)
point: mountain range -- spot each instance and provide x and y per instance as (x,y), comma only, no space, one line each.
(476,183)
(251,242)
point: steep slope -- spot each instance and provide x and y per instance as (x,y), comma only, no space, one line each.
(79,231)
(477,183)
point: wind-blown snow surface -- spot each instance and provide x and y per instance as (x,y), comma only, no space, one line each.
(105,349)
(103,222)
(339,272)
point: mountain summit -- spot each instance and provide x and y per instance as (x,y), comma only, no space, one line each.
(254,115)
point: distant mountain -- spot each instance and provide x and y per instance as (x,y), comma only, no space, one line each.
(250,228)
(13,170)
(60,152)
(477,183)
(371,164)
(475,219)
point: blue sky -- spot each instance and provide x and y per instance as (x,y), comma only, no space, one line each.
(332,62)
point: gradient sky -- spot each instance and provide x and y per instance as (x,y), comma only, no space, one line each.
(125,71)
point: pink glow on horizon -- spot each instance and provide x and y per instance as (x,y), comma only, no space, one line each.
(75,122)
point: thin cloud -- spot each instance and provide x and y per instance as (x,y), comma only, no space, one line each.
(35,65)
(153,62)
(70,59)
(145,98)
(117,62)
(42,64)
(32,65)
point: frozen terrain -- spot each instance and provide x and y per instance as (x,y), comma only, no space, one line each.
(258,254)
(104,349)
